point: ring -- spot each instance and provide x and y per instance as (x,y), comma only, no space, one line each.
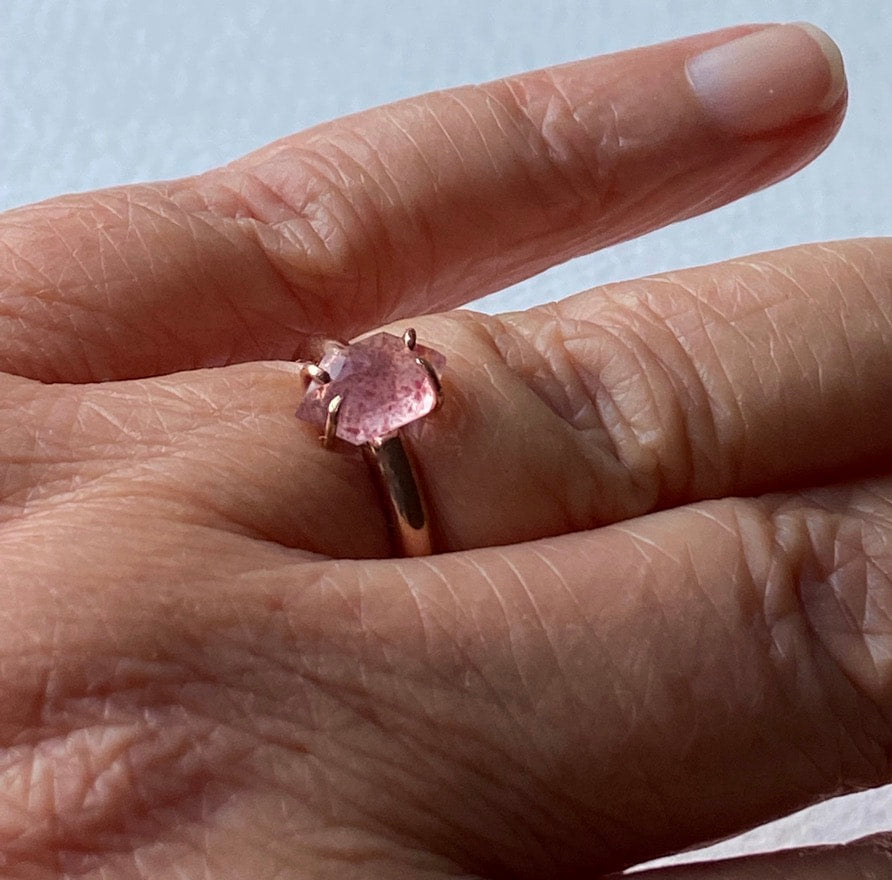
(364,393)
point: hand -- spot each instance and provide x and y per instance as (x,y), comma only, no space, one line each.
(663,610)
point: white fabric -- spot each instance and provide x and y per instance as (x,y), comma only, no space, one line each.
(98,92)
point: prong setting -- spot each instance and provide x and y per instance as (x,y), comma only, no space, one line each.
(388,386)
(314,373)
(435,379)
(331,420)
(410,338)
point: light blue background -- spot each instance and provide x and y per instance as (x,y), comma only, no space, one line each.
(98,92)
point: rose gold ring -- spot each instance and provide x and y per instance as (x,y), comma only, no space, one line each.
(364,393)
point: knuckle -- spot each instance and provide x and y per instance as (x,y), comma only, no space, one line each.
(590,421)
(573,154)
(317,219)
(846,591)
(627,380)
(827,604)
(87,747)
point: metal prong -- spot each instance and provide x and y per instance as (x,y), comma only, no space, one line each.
(409,338)
(315,373)
(435,379)
(331,420)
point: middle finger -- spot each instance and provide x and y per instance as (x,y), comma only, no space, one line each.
(405,209)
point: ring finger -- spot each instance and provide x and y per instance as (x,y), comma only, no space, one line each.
(608,405)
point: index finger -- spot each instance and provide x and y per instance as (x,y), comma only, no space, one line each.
(410,208)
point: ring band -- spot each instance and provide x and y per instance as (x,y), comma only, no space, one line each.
(364,393)
(398,484)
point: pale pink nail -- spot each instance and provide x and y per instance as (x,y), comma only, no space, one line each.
(769,79)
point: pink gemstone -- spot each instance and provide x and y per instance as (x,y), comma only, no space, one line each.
(382,385)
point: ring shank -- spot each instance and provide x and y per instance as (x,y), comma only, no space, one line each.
(398,483)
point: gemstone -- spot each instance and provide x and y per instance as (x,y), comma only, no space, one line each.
(382,387)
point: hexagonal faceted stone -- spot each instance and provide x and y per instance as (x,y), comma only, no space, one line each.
(382,386)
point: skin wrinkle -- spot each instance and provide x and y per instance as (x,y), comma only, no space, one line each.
(51,334)
(116,248)
(419,152)
(256,201)
(264,248)
(491,103)
(61,799)
(530,332)
(496,593)
(878,288)
(107,204)
(375,240)
(333,208)
(245,330)
(534,346)
(692,375)
(837,285)
(417,219)
(657,604)
(602,816)
(277,247)
(639,454)
(71,249)
(643,703)
(609,143)
(875,304)
(168,456)
(315,258)
(382,236)
(586,625)
(466,659)
(428,623)
(725,424)
(789,622)
(501,760)
(638,713)
(572,217)
(853,657)
(539,618)
(398,773)
(649,205)
(574,153)
(795,537)
(572,521)
(20,268)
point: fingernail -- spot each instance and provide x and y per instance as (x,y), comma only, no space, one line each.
(769,79)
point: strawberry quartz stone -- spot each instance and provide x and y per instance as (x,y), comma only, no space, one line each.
(382,386)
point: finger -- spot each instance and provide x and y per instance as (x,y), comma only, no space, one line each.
(865,858)
(406,209)
(576,705)
(764,373)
